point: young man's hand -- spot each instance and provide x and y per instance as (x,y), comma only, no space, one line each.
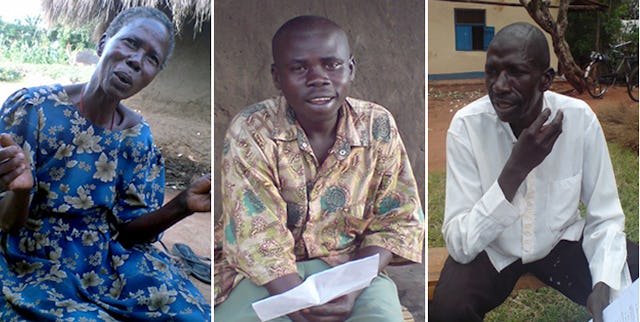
(598,300)
(336,310)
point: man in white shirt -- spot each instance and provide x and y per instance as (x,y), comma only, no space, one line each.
(519,161)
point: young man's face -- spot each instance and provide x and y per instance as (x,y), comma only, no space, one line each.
(514,84)
(313,69)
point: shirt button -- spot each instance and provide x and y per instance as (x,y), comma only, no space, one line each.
(304,145)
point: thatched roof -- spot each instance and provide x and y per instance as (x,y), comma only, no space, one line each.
(101,12)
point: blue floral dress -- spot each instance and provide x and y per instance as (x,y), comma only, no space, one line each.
(65,264)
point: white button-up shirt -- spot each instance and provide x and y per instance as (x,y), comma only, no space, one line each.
(545,208)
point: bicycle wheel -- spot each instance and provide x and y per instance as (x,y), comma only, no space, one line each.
(632,83)
(598,79)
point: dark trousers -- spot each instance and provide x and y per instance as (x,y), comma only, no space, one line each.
(466,292)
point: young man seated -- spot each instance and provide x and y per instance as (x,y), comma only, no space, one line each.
(313,179)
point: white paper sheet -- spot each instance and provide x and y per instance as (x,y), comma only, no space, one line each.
(624,308)
(320,288)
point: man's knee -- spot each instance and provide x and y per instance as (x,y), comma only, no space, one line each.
(452,309)
(379,302)
(466,292)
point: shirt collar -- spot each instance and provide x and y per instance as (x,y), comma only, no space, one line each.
(350,127)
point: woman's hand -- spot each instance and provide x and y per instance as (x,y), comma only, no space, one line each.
(196,198)
(15,169)
(198,195)
(16,179)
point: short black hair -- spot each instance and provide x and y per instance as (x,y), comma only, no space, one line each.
(533,40)
(133,13)
(302,23)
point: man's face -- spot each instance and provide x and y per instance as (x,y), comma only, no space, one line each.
(514,84)
(314,70)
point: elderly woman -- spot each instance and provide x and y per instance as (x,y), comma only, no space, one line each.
(83,191)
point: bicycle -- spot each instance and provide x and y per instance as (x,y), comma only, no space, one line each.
(600,74)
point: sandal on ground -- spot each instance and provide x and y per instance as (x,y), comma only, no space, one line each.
(199,270)
(184,251)
(198,266)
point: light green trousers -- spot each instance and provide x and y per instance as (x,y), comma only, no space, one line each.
(378,303)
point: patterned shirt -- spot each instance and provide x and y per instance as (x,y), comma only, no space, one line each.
(280,206)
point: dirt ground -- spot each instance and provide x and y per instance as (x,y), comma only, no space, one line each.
(447,97)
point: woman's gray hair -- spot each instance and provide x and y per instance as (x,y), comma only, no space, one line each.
(133,13)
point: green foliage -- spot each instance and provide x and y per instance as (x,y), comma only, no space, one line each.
(28,42)
(581,35)
(10,74)
(74,39)
(582,29)
(48,73)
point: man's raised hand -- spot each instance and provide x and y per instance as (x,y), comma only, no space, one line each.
(536,142)
(533,146)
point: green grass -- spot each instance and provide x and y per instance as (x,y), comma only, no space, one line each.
(625,167)
(8,74)
(545,304)
(59,72)
(435,202)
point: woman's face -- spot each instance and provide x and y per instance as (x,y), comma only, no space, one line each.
(131,59)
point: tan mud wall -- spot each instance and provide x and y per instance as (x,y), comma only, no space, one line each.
(387,41)
(178,101)
(183,88)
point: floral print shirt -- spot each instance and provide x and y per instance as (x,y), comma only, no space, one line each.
(66,264)
(280,206)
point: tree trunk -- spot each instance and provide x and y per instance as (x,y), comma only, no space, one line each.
(597,44)
(542,16)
